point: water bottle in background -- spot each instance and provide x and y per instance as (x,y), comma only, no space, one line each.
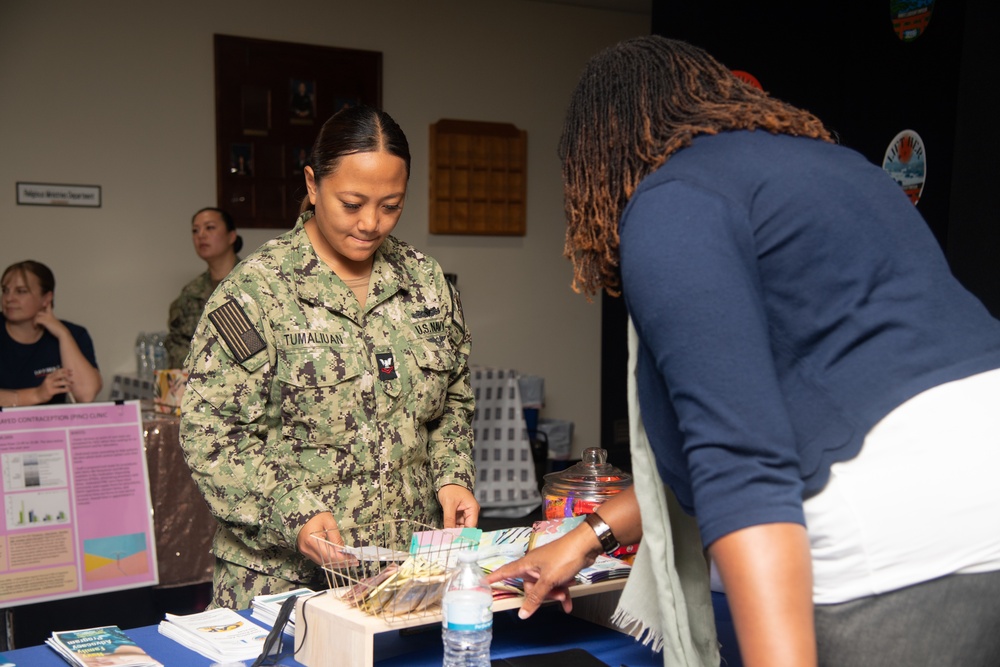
(143,361)
(147,346)
(160,361)
(467,615)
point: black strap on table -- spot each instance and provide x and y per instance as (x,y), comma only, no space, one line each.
(273,643)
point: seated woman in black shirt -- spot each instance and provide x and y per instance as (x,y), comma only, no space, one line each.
(42,358)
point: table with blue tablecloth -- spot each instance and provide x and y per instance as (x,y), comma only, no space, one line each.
(549,630)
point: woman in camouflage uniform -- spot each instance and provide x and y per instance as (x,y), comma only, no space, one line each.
(329,382)
(216,241)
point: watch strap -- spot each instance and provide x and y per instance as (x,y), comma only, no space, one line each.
(609,542)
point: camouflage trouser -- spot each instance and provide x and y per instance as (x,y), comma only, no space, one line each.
(235,586)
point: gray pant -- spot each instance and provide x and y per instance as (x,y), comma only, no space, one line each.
(949,622)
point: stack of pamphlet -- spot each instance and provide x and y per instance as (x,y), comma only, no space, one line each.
(266,607)
(106,645)
(604,568)
(220,635)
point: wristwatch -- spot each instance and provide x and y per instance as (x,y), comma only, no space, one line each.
(603,531)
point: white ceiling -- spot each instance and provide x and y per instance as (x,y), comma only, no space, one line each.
(644,7)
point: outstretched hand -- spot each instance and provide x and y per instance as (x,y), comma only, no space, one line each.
(549,570)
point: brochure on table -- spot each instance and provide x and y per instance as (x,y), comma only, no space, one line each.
(77,513)
(106,646)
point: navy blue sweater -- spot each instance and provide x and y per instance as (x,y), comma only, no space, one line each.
(787,296)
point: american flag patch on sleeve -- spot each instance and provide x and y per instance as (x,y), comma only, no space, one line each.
(236,330)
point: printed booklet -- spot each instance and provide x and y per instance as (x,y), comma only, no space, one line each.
(220,635)
(95,647)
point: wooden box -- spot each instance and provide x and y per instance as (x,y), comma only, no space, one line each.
(342,636)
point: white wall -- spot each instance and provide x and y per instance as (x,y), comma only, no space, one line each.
(120,94)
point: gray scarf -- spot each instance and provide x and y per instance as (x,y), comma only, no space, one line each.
(678,619)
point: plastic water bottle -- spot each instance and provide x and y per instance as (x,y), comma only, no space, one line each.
(160,361)
(143,360)
(467,615)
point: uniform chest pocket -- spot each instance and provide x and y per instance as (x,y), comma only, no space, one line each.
(434,363)
(320,390)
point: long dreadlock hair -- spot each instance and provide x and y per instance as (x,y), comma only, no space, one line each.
(635,105)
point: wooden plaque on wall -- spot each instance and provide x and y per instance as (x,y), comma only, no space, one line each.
(478,178)
(271,98)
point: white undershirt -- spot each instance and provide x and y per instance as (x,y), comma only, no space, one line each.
(921,500)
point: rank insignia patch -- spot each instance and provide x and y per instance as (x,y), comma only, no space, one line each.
(426,312)
(236,330)
(386,366)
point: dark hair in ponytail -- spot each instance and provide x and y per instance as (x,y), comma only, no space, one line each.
(230,224)
(357,129)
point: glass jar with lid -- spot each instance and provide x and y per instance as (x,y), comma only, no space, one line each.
(584,486)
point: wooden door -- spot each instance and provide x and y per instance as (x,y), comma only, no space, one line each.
(271,98)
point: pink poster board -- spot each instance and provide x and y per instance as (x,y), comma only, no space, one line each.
(77,517)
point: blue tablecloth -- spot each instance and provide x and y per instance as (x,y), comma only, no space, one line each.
(547,631)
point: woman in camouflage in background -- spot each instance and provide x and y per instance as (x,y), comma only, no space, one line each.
(329,383)
(216,241)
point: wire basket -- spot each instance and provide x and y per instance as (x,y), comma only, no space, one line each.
(384,571)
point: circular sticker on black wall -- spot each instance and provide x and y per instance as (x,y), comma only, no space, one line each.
(747,77)
(905,161)
(910,17)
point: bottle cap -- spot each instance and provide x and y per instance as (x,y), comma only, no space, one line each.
(468,556)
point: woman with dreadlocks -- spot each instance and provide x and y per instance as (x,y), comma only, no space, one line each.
(817,390)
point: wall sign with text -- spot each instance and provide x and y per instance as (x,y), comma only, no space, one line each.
(57,194)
